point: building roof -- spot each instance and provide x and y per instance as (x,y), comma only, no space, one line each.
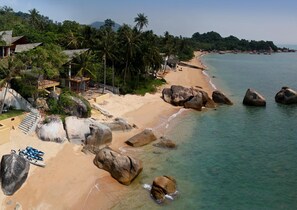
(6,36)
(72,53)
(25,47)
(16,38)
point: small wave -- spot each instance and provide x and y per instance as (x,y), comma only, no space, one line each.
(147,186)
(209,80)
(175,114)
(169,197)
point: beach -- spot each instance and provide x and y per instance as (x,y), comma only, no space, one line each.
(70,180)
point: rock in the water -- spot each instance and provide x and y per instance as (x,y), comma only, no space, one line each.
(100,137)
(51,129)
(165,143)
(142,138)
(14,172)
(119,124)
(253,98)
(207,101)
(78,129)
(163,185)
(286,96)
(220,98)
(195,103)
(123,168)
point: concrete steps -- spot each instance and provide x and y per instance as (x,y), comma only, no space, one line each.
(29,124)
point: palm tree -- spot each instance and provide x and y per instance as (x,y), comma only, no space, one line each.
(74,41)
(10,70)
(34,18)
(84,64)
(129,40)
(141,21)
(107,49)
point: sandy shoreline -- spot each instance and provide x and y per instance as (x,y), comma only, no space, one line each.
(71,180)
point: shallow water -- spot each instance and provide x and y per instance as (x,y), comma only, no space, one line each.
(235,157)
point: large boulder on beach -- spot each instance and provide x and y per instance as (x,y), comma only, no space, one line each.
(163,185)
(180,95)
(286,96)
(119,124)
(78,129)
(166,94)
(122,168)
(100,137)
(188,97)
(196,102)
(253,98)
(220,98)
(142,138)
(14,172)
(51,129)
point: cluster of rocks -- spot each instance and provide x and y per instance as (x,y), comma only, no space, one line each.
(285,96)
(193,98)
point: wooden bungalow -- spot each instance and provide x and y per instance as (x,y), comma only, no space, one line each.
(14,44)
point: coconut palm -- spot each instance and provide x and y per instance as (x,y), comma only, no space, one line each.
(10,70)
(106,48)
(34,18)
(85,66)
(141,21)
(129,40)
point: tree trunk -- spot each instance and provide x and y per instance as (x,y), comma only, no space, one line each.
(2,105)
(112,77)
(104,80)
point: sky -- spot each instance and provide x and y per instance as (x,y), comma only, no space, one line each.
(273,20)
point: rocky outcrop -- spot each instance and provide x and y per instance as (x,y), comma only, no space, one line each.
(253,98)
(14,172)
(220,98)
(142,138)
(78,129)
(122,168)
(119,124)
(286,96)
(166,94)
(41,103)
(163,185)
(51,129)
(188,97)
(75,106)
(196,102)
(100,137)
(165,143)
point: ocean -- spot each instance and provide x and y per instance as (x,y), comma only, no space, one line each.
(231,157)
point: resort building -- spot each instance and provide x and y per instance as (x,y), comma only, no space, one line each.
(14,44)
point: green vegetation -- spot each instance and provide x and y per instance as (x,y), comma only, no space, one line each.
(150,86)
(125,58)
(11,113)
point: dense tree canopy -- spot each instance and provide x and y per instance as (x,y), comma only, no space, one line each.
(127,57)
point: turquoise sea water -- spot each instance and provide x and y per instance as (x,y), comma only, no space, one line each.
(234,157)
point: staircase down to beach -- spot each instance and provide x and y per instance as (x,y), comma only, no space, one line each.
(29,124)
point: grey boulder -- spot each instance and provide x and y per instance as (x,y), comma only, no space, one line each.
(14,172)
(51,129)
(220,98)
(253,98)
(286,96)
(101,136)
(122,168)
